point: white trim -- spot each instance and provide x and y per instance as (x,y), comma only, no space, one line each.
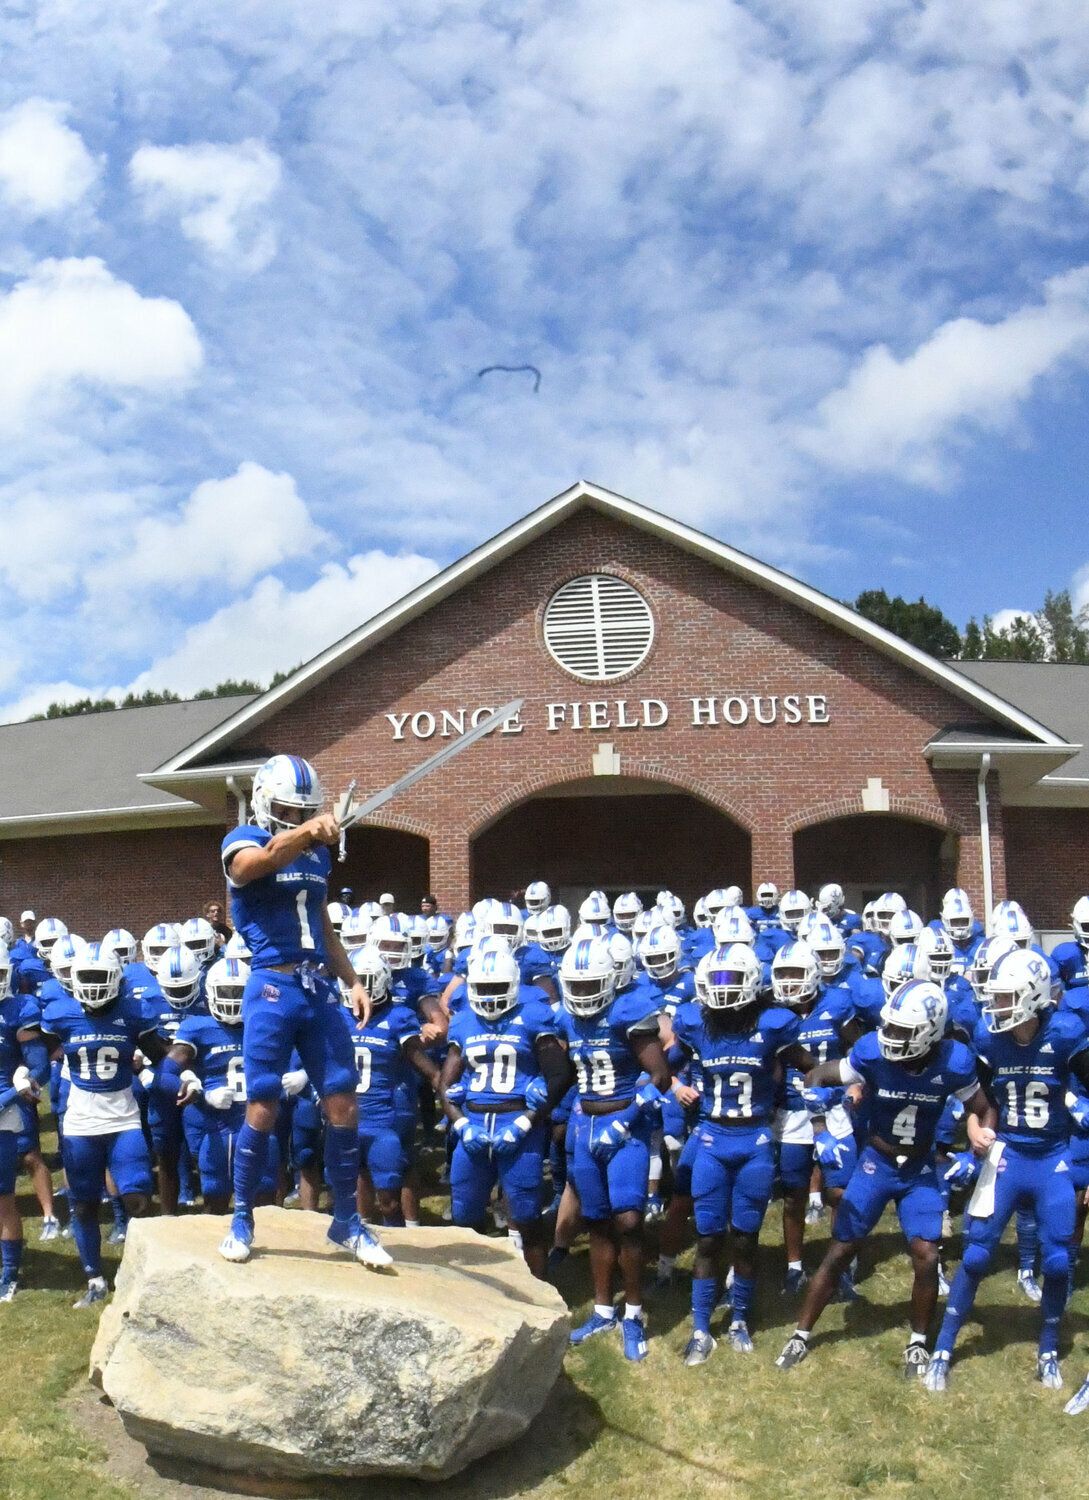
(940,748)
(520,535)
(108,819)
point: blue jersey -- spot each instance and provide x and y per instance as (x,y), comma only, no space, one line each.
(98,1045)
(736,1068)
(138,981)
(763,920)
(166,1017)
(964,1012)
(849,922)
(701,942)
(535,962)
(819,1033)
(871,950)
(500,1055)
(17,1013)
(601,1046)
(868,995)
(280,915)
(1072,962)
(218,1051)
(904,1103)
(378,1045)
(409,984)
(668,995)
(1029,1081)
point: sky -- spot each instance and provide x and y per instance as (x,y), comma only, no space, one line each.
(814,278)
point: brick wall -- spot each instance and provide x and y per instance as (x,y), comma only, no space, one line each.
(1047,853)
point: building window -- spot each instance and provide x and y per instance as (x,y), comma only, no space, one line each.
(598,627)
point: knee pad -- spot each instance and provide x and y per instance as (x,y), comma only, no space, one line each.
(976,1259)
(1057,1261)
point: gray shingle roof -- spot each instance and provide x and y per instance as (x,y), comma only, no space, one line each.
(1055,694)
(90,763)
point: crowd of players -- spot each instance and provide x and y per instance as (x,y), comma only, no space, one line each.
(585,1072)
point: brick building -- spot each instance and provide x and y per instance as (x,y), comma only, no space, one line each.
(690,717)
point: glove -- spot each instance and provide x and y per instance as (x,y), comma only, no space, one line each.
(24,1084)
(963,1168)
(820,1101)
(456,1092)
(512,1135)
(608,1141)
(147,1077)
(829,1151)
(1077,1104)
(294,1082)
(648,1100)
(475,1139)
(191,1086)
(220,1098)
(536,1093)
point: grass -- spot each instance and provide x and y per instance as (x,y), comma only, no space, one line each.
(845,1423)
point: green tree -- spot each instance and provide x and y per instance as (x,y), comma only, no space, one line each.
(231,687)
(1055,632)
(921,623)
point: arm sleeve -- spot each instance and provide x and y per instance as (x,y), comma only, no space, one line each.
(1079,1067)
(36,1055)
(849,1074)
(556,1068)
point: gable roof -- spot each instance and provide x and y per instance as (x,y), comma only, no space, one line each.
(521,534)
(1056,693)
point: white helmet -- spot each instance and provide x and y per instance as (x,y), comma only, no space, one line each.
(505,920)
(1017,988)
(1079,920)
(48,930)
(464,931)
(679,912)
(554,928)
(869,919)
(728,978)
(657,914)
(983,961)
(795,974)
(372,971)
(767,895)
(885,908)
(236,947)
(531,929)
(646,921)
(7,932)
(586,930)
(904,927)
(64,953)
(912,1021)
(438,933)
(96,976)
(830,899)
(538,895)
(827,942)
(793,906)
(899,967)
(660,952)
(157,940)
(373,909)
(285,783)
(178,973)
(338,913)
(223,987)
(700,915)
(5,971)
(625,910)
(355,930)
(123,944)
(587,977)
(716,901)
(390,936)
(417,935)
(934,954)
(956,914)
(1008,920)
(491,982)
(199,936)
(623,956)
(595,908)
(732,925)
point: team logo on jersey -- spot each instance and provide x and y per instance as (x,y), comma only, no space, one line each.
(1062,1167)
(756,1037)
(270,992)
(870,1168)
(1047,1047)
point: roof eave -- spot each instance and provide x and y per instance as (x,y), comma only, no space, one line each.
(106,820)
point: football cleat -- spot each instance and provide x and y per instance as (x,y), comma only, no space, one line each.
(362,1242)
(740,1341)
(663,1280)
(97,1291)
(814,1213)
(238,1240)
(1048,1372)
(699,1348)
(793,1281)
(943,1281)
(50,1229)
(655,1208)
(1029,1286)
(794,1351)
(1079,1401)
(556,1257)
(634,1334)
(846,1291)
(595,1323)
(936,1374)
(117,1235)
(8,1287)
(916,1360)
(947,1225)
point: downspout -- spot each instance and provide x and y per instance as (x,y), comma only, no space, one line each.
(240,798)
(985,834)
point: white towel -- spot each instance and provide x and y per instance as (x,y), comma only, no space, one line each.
(981,1204)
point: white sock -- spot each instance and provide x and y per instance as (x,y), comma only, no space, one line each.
(412,1223)
(917,1338)
(633,1312)
(803,1334)
(794,1265)
(605,1309)
(816,1201)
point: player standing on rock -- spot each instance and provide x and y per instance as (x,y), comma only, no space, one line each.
(278,872)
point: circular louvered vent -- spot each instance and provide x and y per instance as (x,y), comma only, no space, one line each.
(598,627)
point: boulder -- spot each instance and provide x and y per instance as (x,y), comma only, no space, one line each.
(302,1362)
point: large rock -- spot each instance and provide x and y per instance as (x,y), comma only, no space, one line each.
(302,1362)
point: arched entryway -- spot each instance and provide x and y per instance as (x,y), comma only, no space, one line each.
(869,853)
(635,835)
(384,859)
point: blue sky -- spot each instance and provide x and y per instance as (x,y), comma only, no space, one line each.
(812,277)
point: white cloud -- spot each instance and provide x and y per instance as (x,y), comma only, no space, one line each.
(899,415)
(1002,619)
(1079,588)
(44,165)
(37,699)
(276,627)
(70,324)
(217,193)
(249,522)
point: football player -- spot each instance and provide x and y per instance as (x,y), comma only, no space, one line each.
(24,1067)
(1072,959)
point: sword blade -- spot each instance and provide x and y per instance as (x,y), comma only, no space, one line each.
(433,762)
